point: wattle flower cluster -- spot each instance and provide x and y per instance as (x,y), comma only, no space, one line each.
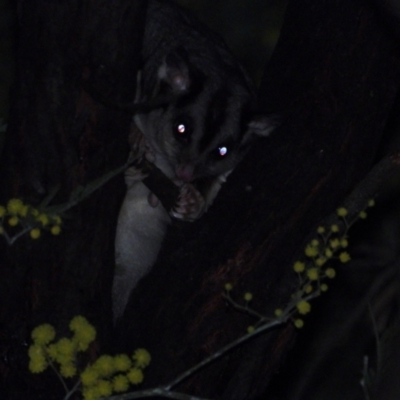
(107,375)
(19,218)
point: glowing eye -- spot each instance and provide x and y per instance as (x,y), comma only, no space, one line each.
(181,128)
(222,151)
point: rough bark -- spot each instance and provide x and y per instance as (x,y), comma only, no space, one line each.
(333,78)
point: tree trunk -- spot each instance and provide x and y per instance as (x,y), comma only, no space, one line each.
(333,79)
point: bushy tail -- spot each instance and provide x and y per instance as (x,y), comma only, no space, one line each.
(140,232)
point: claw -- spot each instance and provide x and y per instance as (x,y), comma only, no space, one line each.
(176,214)
(190,204)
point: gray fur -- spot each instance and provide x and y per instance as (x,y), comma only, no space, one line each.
(210,97)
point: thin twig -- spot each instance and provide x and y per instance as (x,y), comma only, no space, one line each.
(244,309)
(73,390)
(159,391)
(227,348)
(59,377)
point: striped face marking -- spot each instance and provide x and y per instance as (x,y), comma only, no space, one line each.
(204,122)
(204,127)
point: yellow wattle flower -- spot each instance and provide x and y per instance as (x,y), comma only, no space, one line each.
(304,307)
(43,334)
(120,383)
(141,357)
(35,233)
(14,206)
(135,376)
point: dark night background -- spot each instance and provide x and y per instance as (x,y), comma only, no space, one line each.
(334,79)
